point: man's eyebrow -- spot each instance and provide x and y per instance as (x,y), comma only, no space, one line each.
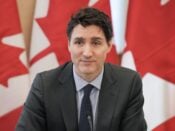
(78,38)
(96,38)
(93,38)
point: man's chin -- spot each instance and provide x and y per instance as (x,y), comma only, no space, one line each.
(87,72)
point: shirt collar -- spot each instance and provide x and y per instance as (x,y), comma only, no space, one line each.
(80,83)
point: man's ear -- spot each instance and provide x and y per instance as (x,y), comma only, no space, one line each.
(68,45)
(110,45)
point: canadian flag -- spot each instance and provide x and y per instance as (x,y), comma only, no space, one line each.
(150,48)
(49,41)
(14,79)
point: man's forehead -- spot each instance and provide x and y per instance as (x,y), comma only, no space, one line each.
(88,32)
(92,38)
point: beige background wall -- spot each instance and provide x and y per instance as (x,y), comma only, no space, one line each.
(26,11)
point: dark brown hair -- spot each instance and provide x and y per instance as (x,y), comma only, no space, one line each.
(91,16)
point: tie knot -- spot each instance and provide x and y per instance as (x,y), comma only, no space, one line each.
(87,89)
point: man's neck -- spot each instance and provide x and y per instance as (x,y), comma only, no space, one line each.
(88,76)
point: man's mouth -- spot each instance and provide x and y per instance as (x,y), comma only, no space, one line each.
(87,61)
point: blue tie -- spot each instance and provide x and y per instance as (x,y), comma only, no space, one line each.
(86,117)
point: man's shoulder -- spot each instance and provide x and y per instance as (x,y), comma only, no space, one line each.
(55,72)
(119,71)
(117,68)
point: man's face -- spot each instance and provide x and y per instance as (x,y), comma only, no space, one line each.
(88,48)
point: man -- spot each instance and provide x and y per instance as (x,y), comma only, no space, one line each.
(58,100)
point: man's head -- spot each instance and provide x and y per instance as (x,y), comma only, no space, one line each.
(89,32)
(91,16)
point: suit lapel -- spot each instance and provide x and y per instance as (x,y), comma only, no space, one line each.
(68,101)
(107,100)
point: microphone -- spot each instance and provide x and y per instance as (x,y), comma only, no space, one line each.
(90,122)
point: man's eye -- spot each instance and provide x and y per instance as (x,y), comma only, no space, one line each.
(96,43)
(78,42)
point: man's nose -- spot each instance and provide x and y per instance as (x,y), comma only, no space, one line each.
(87,51)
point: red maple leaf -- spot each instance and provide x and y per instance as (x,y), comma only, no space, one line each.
(10,65)
(54,27)
(151,37)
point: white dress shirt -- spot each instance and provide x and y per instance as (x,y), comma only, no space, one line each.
(80,83)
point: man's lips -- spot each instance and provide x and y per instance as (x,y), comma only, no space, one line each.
(87,61)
